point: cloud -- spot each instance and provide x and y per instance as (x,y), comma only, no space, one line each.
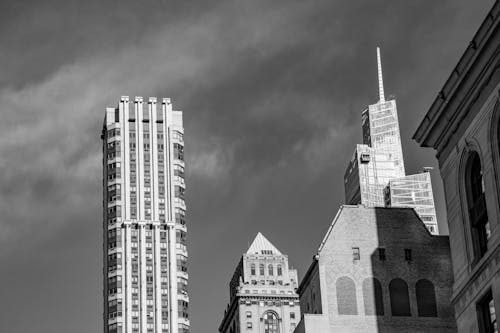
(271,93)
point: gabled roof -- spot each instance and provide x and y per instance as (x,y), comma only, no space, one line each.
(261,245)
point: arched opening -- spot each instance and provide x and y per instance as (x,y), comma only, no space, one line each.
(261,269)
(400,300)
(271,323)
(373,297)
(346,296)
(426,298)
(280,270)
(474,188)
(252,269)
(270,270)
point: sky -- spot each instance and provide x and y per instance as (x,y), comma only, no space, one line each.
(272,94)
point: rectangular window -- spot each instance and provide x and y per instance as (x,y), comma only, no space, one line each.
(486,313)
(381,254)
(355,253)
(249,314)
(408,254)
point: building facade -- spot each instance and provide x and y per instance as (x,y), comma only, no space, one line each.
(377,169)
(262,292)
(144,226)
(463,126)
(390,275)
(414,191)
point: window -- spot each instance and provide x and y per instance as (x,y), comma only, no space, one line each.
(249,325)
(292,315)
(400,300)
(178,151)
(408,254)
(249,314)
(252,269)
(271,324)
(280,270)
(270,270)
(487,316)
(372,297)
(426,298)
(476,202)
(381,254)
(355,253)
(346,296)
(261,269)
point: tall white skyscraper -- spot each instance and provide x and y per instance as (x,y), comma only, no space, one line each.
(375,176)
(144,225)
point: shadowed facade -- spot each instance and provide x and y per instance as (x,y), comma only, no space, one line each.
(463,126)
(390,275)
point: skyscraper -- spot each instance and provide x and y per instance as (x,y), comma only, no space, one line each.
(262,292)
(144,226)
(375,176)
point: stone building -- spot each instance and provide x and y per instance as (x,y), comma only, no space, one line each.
(391,275)
(462,126)
(262,292)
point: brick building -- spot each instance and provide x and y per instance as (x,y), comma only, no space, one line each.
(391,275)
(462,125)
(262,292)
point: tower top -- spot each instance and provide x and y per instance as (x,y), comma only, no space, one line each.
(380,78)
(261,245)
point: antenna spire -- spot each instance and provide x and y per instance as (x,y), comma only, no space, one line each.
(380,79)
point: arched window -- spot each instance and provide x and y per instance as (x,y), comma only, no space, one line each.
(372,297)
(271,323)
(346,296)
(270,270)
(261,269)
(400,300)
(252,269)
(280,270)
(476,202)
(426,298)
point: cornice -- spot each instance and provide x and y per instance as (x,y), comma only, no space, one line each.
(461,88)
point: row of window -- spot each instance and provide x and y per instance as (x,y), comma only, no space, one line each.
(270,270)
(373,297)
(356,254)
(268,282)
(248,314)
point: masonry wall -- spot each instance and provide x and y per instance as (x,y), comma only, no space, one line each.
(474,279)
(394,230)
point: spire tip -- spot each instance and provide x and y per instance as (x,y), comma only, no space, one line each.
(380,78)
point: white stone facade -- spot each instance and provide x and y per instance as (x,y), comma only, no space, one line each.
(145,255)
(262,292)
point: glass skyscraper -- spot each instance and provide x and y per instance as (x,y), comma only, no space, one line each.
(144,227)
(376,174)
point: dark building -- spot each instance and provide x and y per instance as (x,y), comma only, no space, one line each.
(463,126)
(390,275)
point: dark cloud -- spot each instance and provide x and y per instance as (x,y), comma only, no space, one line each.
(271,93)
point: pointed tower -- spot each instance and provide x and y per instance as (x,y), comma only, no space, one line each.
(261,245)
(262,292)
(380,78)
(375,175)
